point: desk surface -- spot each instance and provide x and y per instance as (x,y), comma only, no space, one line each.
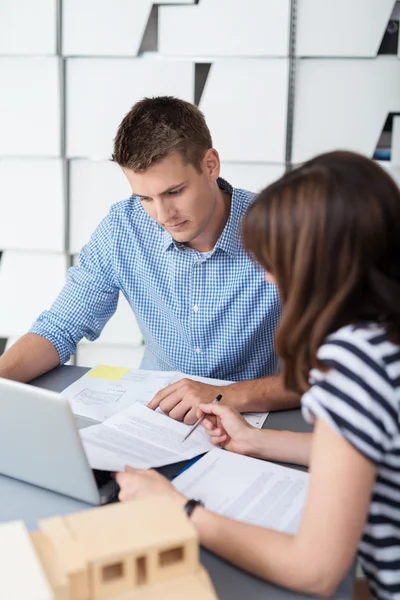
(19,500)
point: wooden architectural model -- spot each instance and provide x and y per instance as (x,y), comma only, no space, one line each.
(140,550)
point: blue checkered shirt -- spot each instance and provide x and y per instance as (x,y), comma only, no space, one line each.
(210,314)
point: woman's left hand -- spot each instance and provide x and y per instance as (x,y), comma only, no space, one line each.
(139,483)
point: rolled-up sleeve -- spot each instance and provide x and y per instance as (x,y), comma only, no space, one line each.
(87,301)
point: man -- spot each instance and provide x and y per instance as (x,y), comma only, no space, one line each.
(174,250)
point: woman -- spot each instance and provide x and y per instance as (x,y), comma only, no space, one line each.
(328,233)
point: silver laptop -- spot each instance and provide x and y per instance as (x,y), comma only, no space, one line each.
(40,444)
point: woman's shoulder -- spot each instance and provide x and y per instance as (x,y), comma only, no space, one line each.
(353,390)
(364,344)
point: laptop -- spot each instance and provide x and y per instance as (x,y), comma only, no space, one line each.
(40,444)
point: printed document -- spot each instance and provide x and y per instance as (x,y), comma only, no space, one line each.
(254,491)
(105,391)
(141,438)
(99,394)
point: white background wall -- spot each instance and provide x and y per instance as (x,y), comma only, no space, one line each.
(70,70)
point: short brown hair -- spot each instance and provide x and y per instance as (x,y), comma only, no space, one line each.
(155,128)
(329,232)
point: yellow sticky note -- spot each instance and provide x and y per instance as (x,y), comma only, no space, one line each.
(108,373)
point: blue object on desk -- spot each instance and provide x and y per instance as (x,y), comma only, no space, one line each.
(187,466)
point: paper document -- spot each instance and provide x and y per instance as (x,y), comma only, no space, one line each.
(253,491)
(104,391)
(99,399)
(141,438)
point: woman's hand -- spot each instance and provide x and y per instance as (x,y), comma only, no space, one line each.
(227,428)
(139,483)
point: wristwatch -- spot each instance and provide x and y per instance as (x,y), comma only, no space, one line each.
(191,505)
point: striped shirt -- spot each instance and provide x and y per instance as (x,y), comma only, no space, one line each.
(211,314)
(359,397)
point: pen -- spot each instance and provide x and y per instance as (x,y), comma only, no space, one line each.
(195,426)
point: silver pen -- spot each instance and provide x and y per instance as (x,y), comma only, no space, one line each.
(200,420)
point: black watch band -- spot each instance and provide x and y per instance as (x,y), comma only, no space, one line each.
(191,505)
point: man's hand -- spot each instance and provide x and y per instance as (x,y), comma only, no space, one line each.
(180,400)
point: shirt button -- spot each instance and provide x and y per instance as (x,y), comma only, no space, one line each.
(198,350)
(195,308)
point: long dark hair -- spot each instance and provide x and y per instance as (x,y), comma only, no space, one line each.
(329,232)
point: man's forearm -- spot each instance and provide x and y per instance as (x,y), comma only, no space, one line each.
(264,394)
(29,357)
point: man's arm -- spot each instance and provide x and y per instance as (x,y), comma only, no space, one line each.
(181,399)
(85,304)
(265,394)
(29,357)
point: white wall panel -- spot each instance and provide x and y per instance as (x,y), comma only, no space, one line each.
(28,26)
(225,28)
(90,355)
(101,91)
(247,114)
(94,187)
(31,205)
(393,170)
(395,173)
(29,283)
(121,329)
(253,177)
(29,107)
(343,104)
(341,28)
(116,29)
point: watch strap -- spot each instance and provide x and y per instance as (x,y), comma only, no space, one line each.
(191,505)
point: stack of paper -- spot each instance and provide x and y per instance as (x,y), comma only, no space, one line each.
(128,432)
(141,438)
(105,391)
(254,491)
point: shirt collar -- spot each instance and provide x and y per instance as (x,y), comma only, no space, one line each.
(228,241)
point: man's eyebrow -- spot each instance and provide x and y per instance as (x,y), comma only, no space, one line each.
(170,189)
(173,187)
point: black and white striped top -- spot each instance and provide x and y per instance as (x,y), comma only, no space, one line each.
(359,397)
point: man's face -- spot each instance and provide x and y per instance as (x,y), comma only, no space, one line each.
(177,196)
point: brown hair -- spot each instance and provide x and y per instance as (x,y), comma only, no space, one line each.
(155,128)
(329,232)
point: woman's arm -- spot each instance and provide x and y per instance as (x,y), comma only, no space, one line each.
(318,557)
(282,446)
(314,560)
(227,429)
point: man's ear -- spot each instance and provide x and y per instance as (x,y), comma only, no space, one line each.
(211,164)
